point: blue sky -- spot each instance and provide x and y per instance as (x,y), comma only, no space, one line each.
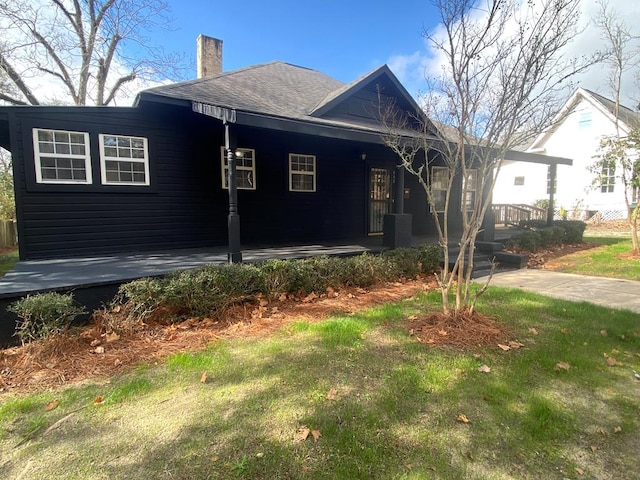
(343,39)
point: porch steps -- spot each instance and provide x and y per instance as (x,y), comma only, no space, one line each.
(486,253)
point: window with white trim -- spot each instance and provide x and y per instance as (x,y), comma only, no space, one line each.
(124,160)
(518,181)
(61,156)
(470,188)
(608,177)
(439,187)
(245,169)
(302,173)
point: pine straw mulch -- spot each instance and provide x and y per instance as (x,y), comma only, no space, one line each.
(92,353)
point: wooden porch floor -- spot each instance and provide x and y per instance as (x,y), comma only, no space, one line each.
(34,276)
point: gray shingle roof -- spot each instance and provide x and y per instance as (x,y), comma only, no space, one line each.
(627,115)
(275,88)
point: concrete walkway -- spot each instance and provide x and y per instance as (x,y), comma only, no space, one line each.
(607,292)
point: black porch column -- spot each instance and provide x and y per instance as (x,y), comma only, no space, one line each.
(553,169)
(398,194)
(233,223)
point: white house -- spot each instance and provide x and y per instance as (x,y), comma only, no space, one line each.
(576,132)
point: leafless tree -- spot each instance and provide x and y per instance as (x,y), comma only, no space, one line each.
(92,48)
(621,152)
(503,73)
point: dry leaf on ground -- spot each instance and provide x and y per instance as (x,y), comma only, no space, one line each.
(562,366)
(51,406)
(533,330)
(316,435)
(462,418)
(515,345)
(98,400)
(484,369)
(579,471)
(506,348)
(203,377)
(302,433)
(617,430)
(332,394)
(611,361)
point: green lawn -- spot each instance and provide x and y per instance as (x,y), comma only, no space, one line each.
(606,260)
(385,405)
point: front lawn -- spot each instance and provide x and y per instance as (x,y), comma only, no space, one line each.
(355,396)
(610,258)
(8,258)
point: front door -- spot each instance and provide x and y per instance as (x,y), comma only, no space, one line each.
(380,198)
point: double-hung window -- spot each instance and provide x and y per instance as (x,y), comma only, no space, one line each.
(608,177)
(302,173)
(439,187)
(470,189)
(245,169)
(124,160)
(61,156)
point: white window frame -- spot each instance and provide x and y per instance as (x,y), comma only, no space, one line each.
(608,178)
(465,204)
(440,185)
(304,173)
(104,158)
(38,156)
(518,181)
(240,169)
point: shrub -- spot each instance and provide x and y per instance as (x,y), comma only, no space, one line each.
(44,315)
(142,297)
(527,240)
(561,231)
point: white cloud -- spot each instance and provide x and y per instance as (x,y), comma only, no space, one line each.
(412,68)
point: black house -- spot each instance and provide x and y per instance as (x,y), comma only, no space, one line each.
(311,165)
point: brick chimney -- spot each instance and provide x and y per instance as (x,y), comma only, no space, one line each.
(209,56)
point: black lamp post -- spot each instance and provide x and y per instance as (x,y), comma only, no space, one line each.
(233,223)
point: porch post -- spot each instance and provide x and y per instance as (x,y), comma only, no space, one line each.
(233,222)
(398,194)
(553,168)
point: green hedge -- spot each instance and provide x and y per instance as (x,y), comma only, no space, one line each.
(211,289)
(538,235)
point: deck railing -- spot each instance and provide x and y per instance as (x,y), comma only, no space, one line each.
(506,214)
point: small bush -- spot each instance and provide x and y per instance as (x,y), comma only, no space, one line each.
(44,315)
(142,297)
(561,231)
(528,240)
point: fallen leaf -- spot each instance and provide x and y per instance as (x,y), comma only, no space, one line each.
(282,297)
(259,455)
(603,333)
(51,406)
(264,302)
(564,330)
(309,298)
(611,361)
(412,317)
(462,418)
(617,430)
(95,343)
(98,400)
(614,352)
(203,377)
(484,369)
(112,337)
(579,471)
(117,362)
(602,432)
(332,394)
(443,333)
(593,448)
(99,349)
(506,348)
(516,345)
(533,330)
(316,435)
(562,366)
(302,434)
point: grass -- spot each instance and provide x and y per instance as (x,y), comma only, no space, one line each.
(8,258)
(385,405)
(606,260)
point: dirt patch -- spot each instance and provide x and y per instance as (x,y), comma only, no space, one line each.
(91,352)
(463,331)
(542,258)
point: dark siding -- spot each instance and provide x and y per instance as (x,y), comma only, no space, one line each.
(186,206)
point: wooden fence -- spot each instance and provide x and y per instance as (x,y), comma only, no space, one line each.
(8,233)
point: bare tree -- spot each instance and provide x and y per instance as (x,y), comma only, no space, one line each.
(502,72)
(92,48)
(619,154)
